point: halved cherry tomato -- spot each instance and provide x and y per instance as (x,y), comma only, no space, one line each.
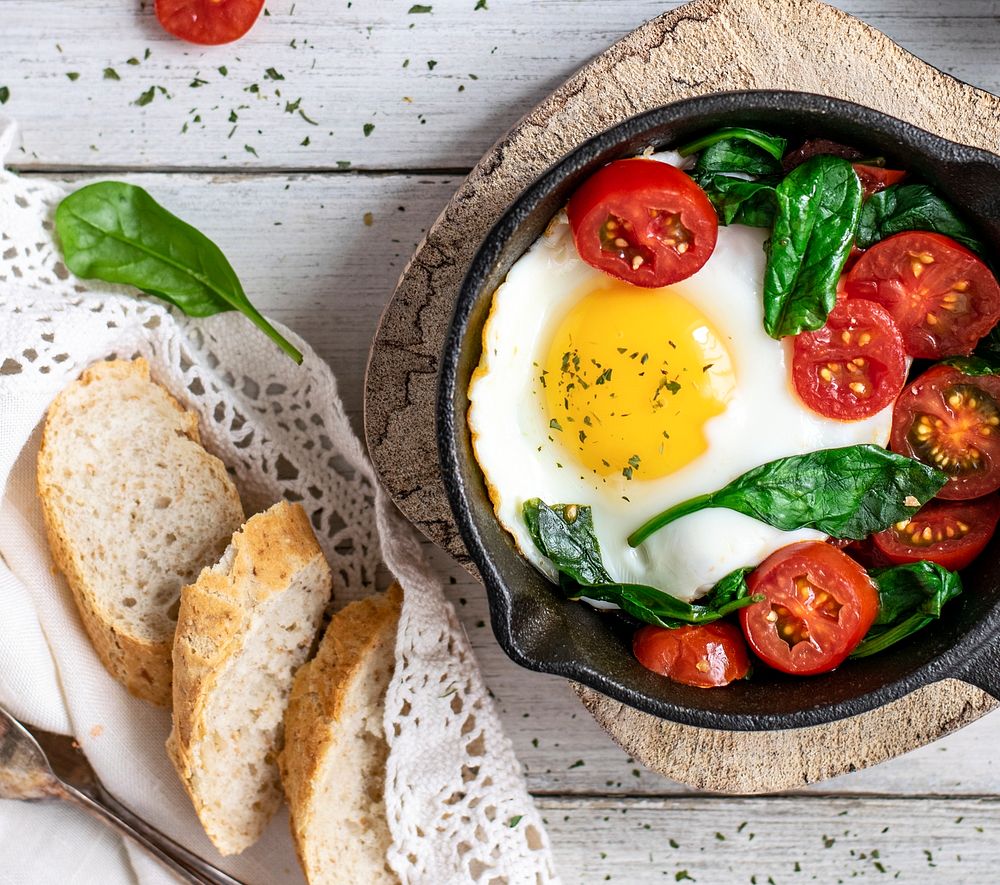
(644,222)
(818,604)
(950,533)
(876,178)
(942,297)
(854,366)
(209,22)
(706,655)
(951,421)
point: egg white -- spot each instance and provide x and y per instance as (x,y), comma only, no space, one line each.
(764,420)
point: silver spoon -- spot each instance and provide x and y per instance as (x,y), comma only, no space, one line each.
(29,772)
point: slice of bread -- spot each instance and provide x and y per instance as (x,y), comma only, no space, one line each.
(243,630)
(333,763)
(134,508)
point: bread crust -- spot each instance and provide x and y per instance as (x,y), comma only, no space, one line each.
(143,666)
(266,552)
(318,697)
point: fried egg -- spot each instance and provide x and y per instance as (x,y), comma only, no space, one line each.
(592,391)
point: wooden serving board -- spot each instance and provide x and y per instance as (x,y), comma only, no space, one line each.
(703,47)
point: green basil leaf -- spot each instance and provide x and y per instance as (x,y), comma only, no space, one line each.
(818,207)
(738,201)
(904,207)
(973,365)
(565,534)
(770,144)
(911,596)
(117,232)
(847,493)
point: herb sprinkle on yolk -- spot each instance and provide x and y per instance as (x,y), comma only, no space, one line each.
(630,379)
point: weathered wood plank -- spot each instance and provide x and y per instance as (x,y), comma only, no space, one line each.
(777,841)
(327,274)
(468,75)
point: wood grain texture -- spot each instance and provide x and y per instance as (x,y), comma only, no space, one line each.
(796,44)
(327,274)
(750,841)
(344,63)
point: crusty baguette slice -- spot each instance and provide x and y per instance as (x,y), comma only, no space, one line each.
(134,508)
(243,630)
(333,763)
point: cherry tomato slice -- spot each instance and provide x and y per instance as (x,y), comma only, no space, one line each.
(950,533)
(876,178)
(644,222)
(942,297)
(705,656)
(951,421)
(854,366)
(818,604)
(209,22)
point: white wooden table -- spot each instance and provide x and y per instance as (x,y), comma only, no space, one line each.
(316,152)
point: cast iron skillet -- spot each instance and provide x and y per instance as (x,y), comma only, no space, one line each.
(539,630)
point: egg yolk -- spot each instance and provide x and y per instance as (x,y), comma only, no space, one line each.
(630,379)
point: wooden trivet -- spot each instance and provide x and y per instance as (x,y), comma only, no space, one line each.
(703,47)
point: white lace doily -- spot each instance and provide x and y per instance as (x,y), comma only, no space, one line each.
(459,811)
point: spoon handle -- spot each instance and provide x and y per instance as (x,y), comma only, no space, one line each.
(188,866)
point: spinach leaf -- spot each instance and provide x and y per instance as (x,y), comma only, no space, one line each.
(818,207)
(848,493)
(905,207)
(910,597)
(738,201)
(733,135)
(652,606)
(565,534)
(735,157)
(117,232)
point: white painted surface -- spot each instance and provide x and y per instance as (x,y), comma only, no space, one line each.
(328,273)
